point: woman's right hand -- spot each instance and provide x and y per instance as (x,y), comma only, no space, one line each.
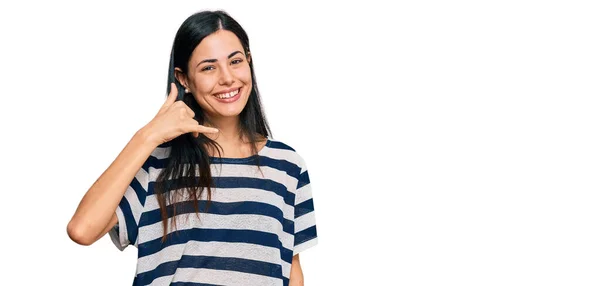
(173,119)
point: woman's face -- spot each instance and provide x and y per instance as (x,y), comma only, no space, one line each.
(219,75)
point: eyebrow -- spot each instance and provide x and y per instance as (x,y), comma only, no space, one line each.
(215,60)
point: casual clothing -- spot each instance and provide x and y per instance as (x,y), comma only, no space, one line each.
(255,223)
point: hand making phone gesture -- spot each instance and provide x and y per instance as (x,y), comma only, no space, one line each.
(173,119)
(95,215)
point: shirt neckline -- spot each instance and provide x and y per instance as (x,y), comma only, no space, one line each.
(261,152)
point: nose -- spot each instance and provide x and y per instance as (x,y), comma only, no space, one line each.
(226,77)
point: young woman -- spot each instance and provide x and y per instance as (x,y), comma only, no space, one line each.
(202,190)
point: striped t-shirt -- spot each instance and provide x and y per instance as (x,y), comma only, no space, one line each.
(255,222)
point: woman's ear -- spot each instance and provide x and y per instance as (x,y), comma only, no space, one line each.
(180,76)
(248,57)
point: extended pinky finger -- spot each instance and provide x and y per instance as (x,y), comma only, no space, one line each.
(204,129)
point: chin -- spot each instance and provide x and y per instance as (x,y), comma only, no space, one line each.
(231,112)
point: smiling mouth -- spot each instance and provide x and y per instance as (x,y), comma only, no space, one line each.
(227,94)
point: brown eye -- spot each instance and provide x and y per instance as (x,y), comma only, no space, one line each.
(236,61)
(206,68)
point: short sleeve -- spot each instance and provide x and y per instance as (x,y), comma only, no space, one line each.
(305,227)
(130,209)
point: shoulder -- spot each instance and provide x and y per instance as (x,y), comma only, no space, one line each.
(285,151)
(296,164)
(158,158)
(278,144)
(162,151)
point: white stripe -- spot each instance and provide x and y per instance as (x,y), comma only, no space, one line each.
(221,277)
(161,281)
(143,177)
(274,153)
(132,197)
(234,196)
(215,221)
(161,152)
(306,245)
(301,163)
(246,171)
(153,173)
(304,193)
(210,248)
(251,171)
(284,154)
(305,221)
(119,239)
(286,268)
(134,203)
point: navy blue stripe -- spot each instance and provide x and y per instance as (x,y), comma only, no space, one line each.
(238,161)
(270,143)
(282,165)
(198,234)
(248,182)
(155,163)
(279,164)
(232,264)
(286,254)
(129,220)
(303,180)
(305,235)
(151,188)
(280,145)
(289,168)
(148,163)
(255,183)
(139,190)
(212,262)
(304,208)
(241,208)
(243,182)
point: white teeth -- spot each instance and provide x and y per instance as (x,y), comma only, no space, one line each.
(228,95)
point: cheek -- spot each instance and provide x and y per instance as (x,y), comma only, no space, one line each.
(244,75)
(204,84)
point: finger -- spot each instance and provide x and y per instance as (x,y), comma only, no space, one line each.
(172,96)
(194,127)
(189,111)
(204,129)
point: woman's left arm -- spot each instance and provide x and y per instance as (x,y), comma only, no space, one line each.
(296,276)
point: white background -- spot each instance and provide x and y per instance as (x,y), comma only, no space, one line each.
(448,142)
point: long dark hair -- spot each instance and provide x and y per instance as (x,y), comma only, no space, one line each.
(180,176)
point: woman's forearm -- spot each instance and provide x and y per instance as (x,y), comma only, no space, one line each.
(97,207)
(296,275)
